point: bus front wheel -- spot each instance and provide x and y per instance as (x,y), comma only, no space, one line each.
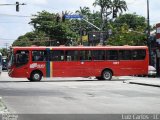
(36,76)
(106,75)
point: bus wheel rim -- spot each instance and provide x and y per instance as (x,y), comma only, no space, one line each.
(107,75)
(36,76)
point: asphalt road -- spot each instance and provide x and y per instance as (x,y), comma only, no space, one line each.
(78,96)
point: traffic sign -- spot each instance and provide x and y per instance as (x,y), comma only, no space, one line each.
(73,16)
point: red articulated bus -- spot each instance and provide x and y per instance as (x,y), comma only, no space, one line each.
(103,62)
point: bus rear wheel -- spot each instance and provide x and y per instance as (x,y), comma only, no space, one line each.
(36,76)
(106,75)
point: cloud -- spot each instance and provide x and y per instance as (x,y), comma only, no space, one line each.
(140,7)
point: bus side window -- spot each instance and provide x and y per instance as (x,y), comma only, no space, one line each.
(112,55)
(98,54)
(39,55)
(124,54)
(56,55)
(138,54)
(85,55)
(71,55)
(134,55)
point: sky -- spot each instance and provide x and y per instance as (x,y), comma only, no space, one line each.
(14,24)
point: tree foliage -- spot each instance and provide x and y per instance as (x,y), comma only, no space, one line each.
(129,29)
(132,20)
(53,29)
(104,5)
(46,27)
(123,36)
(4,51)
(31,38)
(119,5)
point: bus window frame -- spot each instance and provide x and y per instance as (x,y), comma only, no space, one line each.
(40,59)
(62,57)
(93,56)
(85,60)
(22,63)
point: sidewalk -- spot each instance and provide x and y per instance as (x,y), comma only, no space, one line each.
(3,108)
(155,82)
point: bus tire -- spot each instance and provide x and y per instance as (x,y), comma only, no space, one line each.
(107,74)
(36,76)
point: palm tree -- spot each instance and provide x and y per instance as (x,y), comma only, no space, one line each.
(83,11)
(104,4)
(118,5)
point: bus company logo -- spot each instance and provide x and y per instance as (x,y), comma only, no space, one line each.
(35,65)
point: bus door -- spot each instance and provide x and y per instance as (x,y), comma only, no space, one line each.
(86,64)
(22,59)
(125,62)
(99,62)
(140,65)
(66,64)
(72,66)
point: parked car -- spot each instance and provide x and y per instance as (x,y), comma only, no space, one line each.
(151,71)
(4,63)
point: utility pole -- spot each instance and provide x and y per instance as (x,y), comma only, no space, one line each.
(6,44)
(148,33)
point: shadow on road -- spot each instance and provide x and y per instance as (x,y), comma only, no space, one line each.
(92,80)
(9,81)
(68,80)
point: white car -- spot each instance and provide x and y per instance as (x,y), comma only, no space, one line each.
(151,71)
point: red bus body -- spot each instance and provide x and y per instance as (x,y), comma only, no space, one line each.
(79,68)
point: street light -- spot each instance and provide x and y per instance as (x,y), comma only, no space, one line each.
(94,36)
(148,21)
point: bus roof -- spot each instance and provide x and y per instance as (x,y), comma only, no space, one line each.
(79,47)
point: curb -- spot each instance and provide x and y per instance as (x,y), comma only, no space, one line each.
(145,84)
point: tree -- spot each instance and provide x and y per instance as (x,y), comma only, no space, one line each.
(83,11)
(57,32)
(31,38)
(118,5)
(47,31)
(3,51)
(104,4)
(132,20)
(124,36)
